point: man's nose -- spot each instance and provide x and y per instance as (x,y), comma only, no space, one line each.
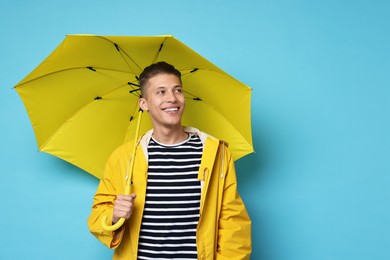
(171,96)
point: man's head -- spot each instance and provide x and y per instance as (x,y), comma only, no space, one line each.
(162,95)
(152,70)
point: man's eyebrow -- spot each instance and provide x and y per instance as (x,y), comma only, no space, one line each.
(165,87)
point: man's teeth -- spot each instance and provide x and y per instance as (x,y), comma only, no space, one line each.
(171,109)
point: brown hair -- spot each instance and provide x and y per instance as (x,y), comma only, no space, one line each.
(160,67)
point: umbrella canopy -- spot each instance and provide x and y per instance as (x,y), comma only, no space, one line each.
(82,100)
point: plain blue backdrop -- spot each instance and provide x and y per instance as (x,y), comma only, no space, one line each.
(318,186)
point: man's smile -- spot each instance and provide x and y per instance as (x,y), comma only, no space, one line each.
(171,109)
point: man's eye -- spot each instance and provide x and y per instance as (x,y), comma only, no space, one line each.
(179,90)
(161,92)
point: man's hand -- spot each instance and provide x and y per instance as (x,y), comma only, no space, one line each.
(123,206)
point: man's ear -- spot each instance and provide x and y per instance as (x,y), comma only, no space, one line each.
(143,104)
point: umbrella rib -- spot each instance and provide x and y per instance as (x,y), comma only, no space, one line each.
(67,69)
(193,97)
(159,50)
(121,52)
(193,70)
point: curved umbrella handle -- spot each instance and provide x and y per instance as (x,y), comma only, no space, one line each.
(117,225)
(114,227)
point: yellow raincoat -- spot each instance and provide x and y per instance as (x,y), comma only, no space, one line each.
(224,228)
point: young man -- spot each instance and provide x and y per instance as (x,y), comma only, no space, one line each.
(184,203)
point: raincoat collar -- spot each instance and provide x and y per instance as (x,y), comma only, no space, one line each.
(145,139)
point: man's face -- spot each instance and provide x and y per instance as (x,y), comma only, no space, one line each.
(164,100)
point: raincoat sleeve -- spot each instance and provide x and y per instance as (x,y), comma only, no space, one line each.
(103,204)
(234,227)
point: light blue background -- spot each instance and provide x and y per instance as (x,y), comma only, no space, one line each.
(318,187)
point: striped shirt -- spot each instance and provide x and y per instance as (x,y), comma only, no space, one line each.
(171,213)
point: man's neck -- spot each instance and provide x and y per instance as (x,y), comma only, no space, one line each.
(170,135)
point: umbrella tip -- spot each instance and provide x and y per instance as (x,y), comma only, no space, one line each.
(98,98)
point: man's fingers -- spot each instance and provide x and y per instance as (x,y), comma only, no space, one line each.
(124,200)
(122,197)
(123,206)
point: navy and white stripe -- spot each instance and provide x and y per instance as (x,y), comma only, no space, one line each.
(171,213)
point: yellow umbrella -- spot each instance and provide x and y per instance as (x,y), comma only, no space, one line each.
(82,99)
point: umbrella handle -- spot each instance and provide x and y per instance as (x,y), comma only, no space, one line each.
(114,227)
(117,225)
